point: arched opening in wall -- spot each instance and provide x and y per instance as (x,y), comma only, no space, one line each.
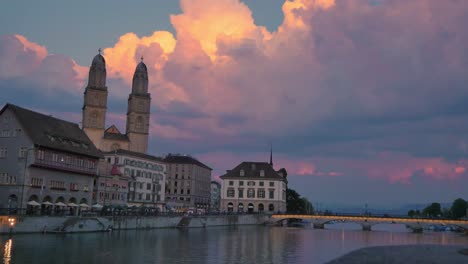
(240,208)
(115,147)
(271,208)
(261,207)
(139,123)
(250,208)
(47,199)
(32,205)
(72,206)
(83,201)
(33,198)
(230,207)
(12,204)
(93,119)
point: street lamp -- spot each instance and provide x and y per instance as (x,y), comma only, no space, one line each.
(24,176)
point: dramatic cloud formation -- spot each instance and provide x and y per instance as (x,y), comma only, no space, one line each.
(343,88)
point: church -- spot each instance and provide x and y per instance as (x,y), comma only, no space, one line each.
(108,139)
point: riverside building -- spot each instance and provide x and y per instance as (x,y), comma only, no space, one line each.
(188,183)
(44,161)
(145,174)
(254,187)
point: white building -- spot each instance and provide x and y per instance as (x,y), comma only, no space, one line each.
(254,187)
(146,177)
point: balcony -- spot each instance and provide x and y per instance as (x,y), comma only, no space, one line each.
(62,165)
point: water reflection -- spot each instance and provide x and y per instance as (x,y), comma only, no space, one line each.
(251,244)
(7,252)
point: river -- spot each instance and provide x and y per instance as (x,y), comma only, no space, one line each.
(247,244)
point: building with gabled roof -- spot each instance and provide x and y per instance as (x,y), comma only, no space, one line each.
(44,159)
(254,187)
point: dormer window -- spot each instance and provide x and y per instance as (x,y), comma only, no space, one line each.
(262,173)
(242,173)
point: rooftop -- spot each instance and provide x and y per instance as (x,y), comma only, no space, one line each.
(252,170)
(184,159)
(50,132)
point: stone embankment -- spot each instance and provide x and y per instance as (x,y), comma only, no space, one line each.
(73,224)
(433,254)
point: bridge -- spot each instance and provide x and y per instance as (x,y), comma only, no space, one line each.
(415,224)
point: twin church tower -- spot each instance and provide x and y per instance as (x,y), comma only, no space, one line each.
(95,108)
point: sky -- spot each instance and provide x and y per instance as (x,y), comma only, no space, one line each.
(364,102)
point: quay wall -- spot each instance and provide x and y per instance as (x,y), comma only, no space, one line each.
(74,224)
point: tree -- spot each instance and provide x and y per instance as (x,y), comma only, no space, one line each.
(458,208)
(411,213)
(433,210)
(297,204)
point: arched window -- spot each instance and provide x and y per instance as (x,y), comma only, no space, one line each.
(93,119)
(240,207)
(230,207)
(139,123)
(261,208)
(271,207)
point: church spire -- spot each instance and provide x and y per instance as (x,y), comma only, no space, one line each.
(140,79)
(97,72)
(271,154)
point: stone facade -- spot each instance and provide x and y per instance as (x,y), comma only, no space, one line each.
(95,108)
(188,183)
(145,174)
(215,198)
(44,159)
(254,187)
(111,187)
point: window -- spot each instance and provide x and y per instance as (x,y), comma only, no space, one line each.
(262,173)
(182,191)
(231,183)
(140,196)
(7,179)
(5,133)
(74,187)
(175,191)
(271,194)
(148,196)
(260,183)
(272,184)
(241,183)
(141,185)
(261,193)
(57,185)
(3,152)
(175,183)
(250,183)
(230,192)
(188,191)
(241,193)
(242,173)
(40,154)
(148,186)
(22,152)
(250,193)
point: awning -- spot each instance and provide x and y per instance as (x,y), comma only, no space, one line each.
(84,205)
(97,206)
(60,204)
(72,205)
(33,203)
(47,203)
